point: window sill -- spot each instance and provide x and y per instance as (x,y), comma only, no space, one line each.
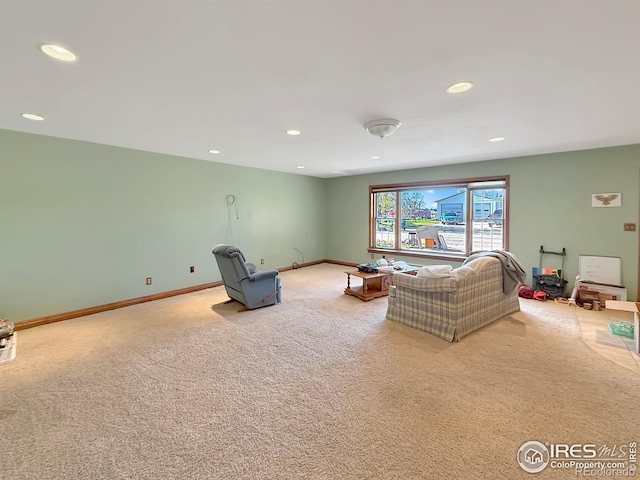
(431,254)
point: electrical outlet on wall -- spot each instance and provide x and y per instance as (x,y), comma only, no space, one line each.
(262,261)
(192,269)
(148,280)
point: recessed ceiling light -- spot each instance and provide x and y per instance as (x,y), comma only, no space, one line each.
(459,87)
(496,139)
(375,157)
(58,52)
(294,132)
(300,166)
(33,116)
(215,152)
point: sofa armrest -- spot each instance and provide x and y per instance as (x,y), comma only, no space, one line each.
(255,277)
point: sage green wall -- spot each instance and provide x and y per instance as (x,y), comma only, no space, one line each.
(550,205)
(84,224)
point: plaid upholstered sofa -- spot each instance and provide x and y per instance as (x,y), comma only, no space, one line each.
(453,307)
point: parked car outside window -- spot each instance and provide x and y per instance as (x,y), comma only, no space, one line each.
(495,218)
(449,218)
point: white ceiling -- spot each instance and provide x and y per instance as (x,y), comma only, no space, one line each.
(182,77)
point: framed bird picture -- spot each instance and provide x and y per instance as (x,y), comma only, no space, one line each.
(606,200)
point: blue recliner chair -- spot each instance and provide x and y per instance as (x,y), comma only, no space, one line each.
(243,282)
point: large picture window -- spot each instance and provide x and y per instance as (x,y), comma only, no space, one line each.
(440,218)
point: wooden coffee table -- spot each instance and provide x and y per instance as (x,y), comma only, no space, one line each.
(374,285)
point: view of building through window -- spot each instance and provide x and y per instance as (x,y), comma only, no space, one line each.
(438,218)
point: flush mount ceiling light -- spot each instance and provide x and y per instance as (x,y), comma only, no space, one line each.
(293,132)
(58,52)
(375,157)
(459,87)
(214,152)
(300,167)
(496,139)
(382,128)
(32,116)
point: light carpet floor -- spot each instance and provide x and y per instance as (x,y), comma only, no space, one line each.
(319,387)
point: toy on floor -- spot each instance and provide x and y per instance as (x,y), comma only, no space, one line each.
(621,328)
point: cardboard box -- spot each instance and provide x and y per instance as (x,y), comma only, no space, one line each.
(587,296)
(605,292)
